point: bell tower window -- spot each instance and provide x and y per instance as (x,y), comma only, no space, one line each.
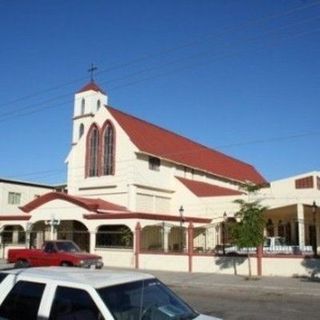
(81,130)
(98,105)
(83,106)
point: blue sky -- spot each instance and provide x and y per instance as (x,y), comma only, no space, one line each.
(241,77)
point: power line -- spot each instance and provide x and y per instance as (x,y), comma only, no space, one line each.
(238,27)
(33,108)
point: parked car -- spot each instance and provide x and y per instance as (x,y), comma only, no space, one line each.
(54,253)
(272,245)
(57,293)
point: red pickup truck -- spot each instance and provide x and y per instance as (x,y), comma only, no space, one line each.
(54,253)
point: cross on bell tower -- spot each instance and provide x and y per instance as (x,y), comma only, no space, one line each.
(91,70)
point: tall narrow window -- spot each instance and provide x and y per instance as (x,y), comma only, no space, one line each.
(81,130)
(108,149)
(92,149)
(98,104)
(83,105)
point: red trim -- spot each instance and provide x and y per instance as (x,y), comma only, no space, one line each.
(14,218)
(190,245)
(145,216)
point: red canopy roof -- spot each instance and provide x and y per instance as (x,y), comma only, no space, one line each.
(165,144)
(88,204)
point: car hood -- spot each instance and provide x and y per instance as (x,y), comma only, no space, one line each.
(205,317)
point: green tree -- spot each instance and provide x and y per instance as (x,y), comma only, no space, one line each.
(248,232)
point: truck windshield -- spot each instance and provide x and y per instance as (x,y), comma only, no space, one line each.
(67,246)
(145,300)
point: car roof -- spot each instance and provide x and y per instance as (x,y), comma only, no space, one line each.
(93,278)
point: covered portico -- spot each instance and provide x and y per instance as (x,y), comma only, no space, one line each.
(298,223)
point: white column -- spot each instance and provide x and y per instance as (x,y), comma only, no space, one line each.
(300,217)
(92,241)
(15,236)
(166,231)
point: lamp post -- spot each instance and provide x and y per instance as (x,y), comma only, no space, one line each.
(224,233)
(314,240)
(181,211)
(52,223)
(28,234)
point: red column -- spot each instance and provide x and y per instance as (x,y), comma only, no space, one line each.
(259,260)
(137,244)
(190,245)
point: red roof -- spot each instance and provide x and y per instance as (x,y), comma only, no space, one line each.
(86,203)
(202,189)
(165,144)
(91,86)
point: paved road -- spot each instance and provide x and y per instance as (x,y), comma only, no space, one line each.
(234,297)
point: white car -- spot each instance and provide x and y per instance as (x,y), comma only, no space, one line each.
(59,293)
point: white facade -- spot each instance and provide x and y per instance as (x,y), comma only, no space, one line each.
(17,193)
(134,185)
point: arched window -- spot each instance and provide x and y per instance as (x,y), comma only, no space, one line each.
(108,149)
(83,106)
(98,104)
(114,236)
(81,130)
(92,151)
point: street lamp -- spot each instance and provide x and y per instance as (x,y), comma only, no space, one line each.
(224,233)
(314,240)
(53,223)
(28,234)
(181,211)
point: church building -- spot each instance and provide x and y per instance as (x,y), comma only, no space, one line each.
(135,187)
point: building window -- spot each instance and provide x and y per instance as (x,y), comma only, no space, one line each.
(83,106)
(108,149)
(116,236)
(304,183)
(98,104)
(81,130)
(93,151)
(154,163)
(14,198)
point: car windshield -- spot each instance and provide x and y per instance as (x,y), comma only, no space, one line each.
(145,300)
(67,246)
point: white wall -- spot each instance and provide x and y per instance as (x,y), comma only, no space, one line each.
(28,193)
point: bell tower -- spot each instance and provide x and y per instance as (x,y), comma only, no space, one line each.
(87,102)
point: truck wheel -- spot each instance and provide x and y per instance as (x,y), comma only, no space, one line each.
(21,264)
(65,264)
